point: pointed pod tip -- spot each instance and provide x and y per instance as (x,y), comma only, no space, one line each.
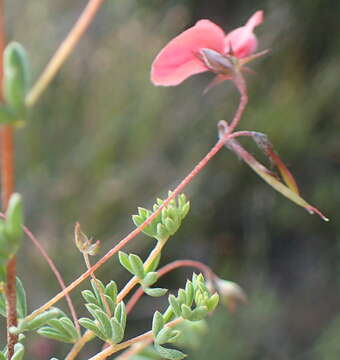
(313,210)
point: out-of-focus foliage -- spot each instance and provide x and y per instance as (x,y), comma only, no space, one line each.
(103,140)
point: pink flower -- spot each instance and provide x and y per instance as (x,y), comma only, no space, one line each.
(204,47)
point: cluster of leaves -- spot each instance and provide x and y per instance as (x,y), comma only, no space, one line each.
(193,304)
(109,318)
(15,84)
(108,322)
(145,274)
(191,333)
(167,222)
(53,324)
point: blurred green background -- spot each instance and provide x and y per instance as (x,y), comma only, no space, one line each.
(103,140)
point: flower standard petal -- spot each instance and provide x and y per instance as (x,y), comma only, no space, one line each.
(242,41)
(180,58)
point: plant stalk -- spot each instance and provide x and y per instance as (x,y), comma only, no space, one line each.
(7,188)
(63,51)
(197,169)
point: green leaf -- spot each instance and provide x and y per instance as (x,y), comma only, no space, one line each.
(89,297)
(170,354)
(18,352)
(69,328)
(163,336)
(213,302)
(117,331)
(51,333)
(157,323)
(16,77)
(120,314)
(111,290)
(110,303)
(2,356)
(143,213)
(91,325)
(137,220)
(104,323)
(137,266)
(92,308)
(98,289)
(155,292)
(150,278)
(199,313)
(171,226)
(21,299)
(175,305)
(182,297)
(186,312)
(125,262)
(14,221)
(185,210)
(40,320)
(189,293)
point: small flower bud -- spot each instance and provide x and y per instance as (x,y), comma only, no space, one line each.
(230,293)
(83,243)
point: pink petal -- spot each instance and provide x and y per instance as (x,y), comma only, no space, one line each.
(180,58)
(242,40)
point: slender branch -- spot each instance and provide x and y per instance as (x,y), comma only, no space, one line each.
(166,269)
(242,88)
(197,169)
(63,51)
(79,345)
(56,273)
(134,350)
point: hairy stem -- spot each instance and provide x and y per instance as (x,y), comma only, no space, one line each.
(63,51)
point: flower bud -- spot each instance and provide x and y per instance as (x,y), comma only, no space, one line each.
(231,294)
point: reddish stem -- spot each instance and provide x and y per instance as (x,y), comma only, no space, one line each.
(56,273)
(166,269)
(197,169)
(7,183)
